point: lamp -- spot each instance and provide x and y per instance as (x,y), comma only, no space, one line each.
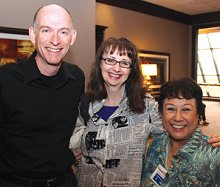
(147,71)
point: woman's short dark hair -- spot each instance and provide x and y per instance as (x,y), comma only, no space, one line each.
(133,85)
(185,88)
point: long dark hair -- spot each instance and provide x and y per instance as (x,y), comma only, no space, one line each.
(133,85)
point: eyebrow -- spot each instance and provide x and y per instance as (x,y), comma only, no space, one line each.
(63,28)
(120,60)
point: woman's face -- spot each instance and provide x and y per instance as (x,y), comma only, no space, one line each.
(180,118)
(115,75)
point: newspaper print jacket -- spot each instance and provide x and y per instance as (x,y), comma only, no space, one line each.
(196,165)
(113,150)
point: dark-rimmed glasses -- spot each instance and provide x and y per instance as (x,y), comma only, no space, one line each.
(112,62)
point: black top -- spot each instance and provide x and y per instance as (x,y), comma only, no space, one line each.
(37,118)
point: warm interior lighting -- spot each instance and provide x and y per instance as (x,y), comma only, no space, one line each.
(147,71)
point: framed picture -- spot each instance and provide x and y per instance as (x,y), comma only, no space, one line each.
(155,66)
(14,45)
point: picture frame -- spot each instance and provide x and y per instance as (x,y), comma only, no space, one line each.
(162,61)
(15,44)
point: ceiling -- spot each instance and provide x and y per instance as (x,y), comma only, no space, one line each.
(190,12)
(190,7)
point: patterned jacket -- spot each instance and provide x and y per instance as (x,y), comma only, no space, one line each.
(113,149)
(197,164)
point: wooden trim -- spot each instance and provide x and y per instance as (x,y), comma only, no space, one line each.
(149,8)
(10,30)
(162,12)
(99,35)
(155,52)
(208,18)
(194,52)
(195,29)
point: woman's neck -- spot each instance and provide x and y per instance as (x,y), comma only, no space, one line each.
(173,149)
(114,96)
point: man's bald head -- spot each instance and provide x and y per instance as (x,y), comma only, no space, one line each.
(52,8)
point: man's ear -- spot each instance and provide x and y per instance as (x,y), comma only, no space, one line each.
(73,38)
(32,34)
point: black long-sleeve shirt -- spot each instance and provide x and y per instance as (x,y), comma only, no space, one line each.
(37,118)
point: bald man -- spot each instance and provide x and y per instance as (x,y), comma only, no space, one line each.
(39,100)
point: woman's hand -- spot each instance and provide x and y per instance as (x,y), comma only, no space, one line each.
(78,155)
(74,169)
(214,140)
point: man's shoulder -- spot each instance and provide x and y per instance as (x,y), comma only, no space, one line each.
(73,69)
(10,67)
(12,70)
(7,66)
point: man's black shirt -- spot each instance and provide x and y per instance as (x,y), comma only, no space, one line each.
(38,115)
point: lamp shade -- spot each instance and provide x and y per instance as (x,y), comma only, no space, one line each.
(149,69)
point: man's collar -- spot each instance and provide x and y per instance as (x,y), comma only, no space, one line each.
(32,72)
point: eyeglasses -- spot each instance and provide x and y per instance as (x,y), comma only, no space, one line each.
(122,64)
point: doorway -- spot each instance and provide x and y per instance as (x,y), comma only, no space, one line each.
(206,70)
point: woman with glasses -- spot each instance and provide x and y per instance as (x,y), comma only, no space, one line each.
(119,119)
(121,116)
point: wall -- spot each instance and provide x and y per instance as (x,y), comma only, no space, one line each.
(149,33)
(19,14)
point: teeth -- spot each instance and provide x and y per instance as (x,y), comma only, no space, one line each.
(114,75)
(53,50)
(178,126)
